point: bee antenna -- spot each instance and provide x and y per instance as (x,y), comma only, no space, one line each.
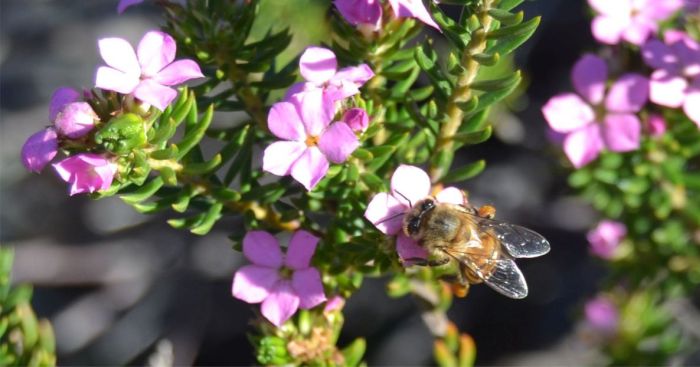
(390,218)
(410,204)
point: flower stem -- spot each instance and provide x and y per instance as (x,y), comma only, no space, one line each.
(463,91)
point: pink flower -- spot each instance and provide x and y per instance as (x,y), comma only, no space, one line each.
(39,150)
(413,9)
(324,83)
(362,13)
(409,184)
(123,4)
(606,237)
(282,283)
(86,172)
(309,142)
(147,73)
(630,20)
(600,121)
(356,118)
(335,303)
(602,315)
(76,120)
(676,80)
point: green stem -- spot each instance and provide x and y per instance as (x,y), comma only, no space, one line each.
(463,91)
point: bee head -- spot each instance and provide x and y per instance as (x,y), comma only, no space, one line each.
(413,219)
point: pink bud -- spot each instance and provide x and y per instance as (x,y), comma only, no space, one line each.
(657,125)
(356,118)
(335,303)
(602,315)
(39,150)
(86,172)
(366,13)
(75,120)
(59,99)
(605,238)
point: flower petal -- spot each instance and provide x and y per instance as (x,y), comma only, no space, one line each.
(112,79)
(451,195)
(301,249)
(307,285)
(60,98)
(691,107)
(360,12)
(386,213)
(40,149)
(280,304)
(261,248)
(607,29)
(178,72)
(628,94)
(409,250)
(589,75)
(583,145)
(605,238)
(410,183)
(284,121)
(310,168)
(338,142)
(658,55)
(639,30)
(413,9)
(567,112)
(155,94)
(123,4)
(253,283)
(622,132)
(118,53)
(279,157)
(667,89)
(317,64)
(155,50)
(316,110)
(614,8)
(357,119)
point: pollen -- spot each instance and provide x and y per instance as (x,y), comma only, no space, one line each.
(311,141)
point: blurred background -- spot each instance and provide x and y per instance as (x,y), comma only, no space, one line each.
(119,286)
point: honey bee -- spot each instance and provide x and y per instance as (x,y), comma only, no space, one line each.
(482,247)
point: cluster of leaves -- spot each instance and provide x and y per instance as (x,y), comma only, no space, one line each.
(411,122)
(24,340)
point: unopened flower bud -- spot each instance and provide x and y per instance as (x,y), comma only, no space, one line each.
(39,150)
(657,125)
(122,134)
(606,237)
(75,120)
(357,119)
(602,315)
(86,172)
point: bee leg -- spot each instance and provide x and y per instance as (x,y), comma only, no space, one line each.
(487,211)
(425,262)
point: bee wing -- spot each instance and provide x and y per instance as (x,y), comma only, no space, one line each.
(520,242)
(507,279)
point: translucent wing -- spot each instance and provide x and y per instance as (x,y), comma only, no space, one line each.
(501,274)
(520,242)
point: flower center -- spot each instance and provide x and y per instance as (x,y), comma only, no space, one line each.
(311,141)
(286,273)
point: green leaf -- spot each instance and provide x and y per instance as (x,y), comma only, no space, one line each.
(362,154)
(506,17)
(487,59)
(487,99)
(473,137)
(354,352)
(165,153)
(192,137)
(144,192)
(381,155)
(511,37)
(508,4)
(122,134)
(207,222)
(202,168)
(373,182)
(465,172)
(495,84)
(169,176)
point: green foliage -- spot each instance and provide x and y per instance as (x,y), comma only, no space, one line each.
(24,340)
